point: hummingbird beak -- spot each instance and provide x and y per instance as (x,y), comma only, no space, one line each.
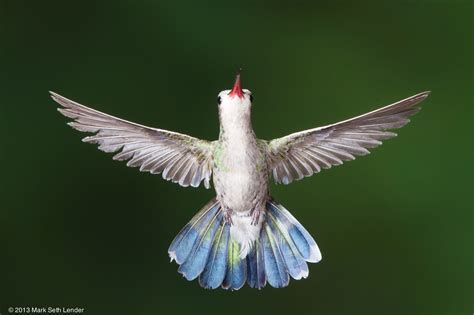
(237,89)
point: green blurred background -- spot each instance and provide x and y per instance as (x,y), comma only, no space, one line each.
(80,230)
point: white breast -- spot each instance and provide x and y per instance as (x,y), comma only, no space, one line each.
(237,178)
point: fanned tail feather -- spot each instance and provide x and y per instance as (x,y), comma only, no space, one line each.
(236,268)
(183,243)
(256,277)
(196,261)
(205,249)
(294,262)
(215,270)
(303,241)
(275,269)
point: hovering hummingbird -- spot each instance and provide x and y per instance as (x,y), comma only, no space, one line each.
(242,234)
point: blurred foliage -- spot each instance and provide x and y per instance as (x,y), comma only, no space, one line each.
(80,230)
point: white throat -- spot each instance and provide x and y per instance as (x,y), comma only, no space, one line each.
(235,119)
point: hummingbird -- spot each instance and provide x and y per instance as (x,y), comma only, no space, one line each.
(242,234)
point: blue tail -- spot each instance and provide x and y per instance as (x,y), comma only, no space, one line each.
(205,249)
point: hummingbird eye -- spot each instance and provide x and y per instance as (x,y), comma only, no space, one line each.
(219,100)
(251,98)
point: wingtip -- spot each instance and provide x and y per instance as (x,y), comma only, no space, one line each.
(417,98)
(425,94)
(55,97)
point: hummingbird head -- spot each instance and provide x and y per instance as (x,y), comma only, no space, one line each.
(235,97)
(235,106)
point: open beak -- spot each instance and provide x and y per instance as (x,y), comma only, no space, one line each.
(237,89)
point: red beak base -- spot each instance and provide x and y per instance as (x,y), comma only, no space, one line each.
(237,89)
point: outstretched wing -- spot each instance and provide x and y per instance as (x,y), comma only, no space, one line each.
(180,158)
(303,153)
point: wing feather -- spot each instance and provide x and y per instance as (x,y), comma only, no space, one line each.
(180,158)
(304,153)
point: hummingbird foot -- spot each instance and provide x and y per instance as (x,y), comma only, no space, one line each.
(228,216)
(255,216)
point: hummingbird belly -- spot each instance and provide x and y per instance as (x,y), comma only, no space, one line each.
(241,180)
